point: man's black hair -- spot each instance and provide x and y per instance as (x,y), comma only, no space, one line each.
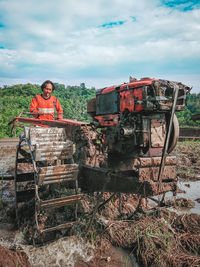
(45,83)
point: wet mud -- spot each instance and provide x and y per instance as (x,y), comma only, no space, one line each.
(13,258)
(153,236)
(188,160)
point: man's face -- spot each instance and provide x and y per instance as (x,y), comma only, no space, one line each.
(47,90)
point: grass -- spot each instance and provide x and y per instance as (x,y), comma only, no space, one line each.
(190,141)
(156,240)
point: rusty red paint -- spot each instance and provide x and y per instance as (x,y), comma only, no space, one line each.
(108,89)
(136,84)
(53,123)
(126,101)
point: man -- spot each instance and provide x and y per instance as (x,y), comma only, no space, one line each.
(43,106)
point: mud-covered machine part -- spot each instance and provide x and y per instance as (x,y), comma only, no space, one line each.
(134,120)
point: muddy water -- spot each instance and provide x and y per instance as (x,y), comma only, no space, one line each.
(64,252)
(60,253)
(192,189)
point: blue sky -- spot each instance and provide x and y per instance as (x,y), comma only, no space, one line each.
(99,42)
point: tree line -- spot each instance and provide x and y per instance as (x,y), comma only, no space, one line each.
(17,98)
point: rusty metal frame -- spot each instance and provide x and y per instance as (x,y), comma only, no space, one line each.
(21,196)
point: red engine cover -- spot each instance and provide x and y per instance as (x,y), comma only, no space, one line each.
(126,101)
(129,98)
(131,94)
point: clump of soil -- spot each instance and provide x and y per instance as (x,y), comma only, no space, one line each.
(198,200)
(181,203)
(189,223)
(105,254)
(13,258)
(126,202)
(188,160)
(163,239)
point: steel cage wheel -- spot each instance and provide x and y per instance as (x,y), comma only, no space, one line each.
(174,133)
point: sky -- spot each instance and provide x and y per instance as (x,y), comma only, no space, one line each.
(99,42)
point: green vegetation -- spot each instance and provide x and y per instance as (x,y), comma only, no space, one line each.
(17,98)
(193,107)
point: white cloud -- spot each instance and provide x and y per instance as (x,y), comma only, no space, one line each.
(58,37)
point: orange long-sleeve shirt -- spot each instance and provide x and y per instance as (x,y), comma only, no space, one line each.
(40,104)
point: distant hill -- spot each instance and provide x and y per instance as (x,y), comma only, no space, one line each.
(17,98)
(193,107)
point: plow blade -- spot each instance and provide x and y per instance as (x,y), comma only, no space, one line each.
(138,176)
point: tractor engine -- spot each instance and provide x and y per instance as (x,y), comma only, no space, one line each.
(134,117)
(126,147)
